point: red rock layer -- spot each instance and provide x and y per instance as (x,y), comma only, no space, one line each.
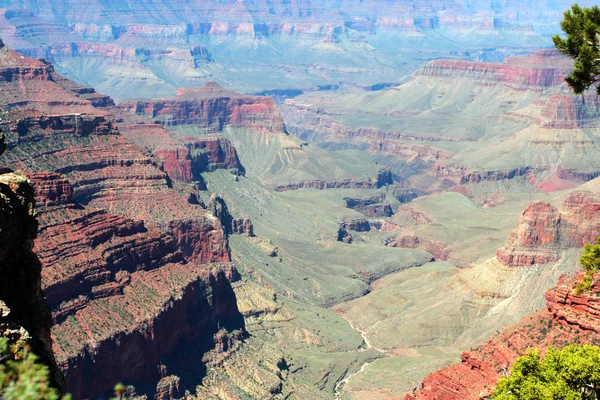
(133,272)
(51,189)
(569,112)
(33,85)
(541,69)
(543,230)
(212,107)
(184,159)
(568,319)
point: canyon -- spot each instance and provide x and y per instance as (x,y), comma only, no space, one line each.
(367,200)
(147,50)
(116,279)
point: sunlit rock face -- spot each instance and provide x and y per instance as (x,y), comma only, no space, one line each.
(135,274)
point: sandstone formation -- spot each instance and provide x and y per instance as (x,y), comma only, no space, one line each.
(211,107)
(136,276)
(218,208)
(184,159)
(370,207)
(544,229)
(567,319)
(437,249)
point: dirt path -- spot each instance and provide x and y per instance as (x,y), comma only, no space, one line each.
(338,386)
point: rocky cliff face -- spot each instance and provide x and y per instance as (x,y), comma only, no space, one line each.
(567,319)
(212,107)
(543,69)
(184,159)
(25,317)
(544,229)
(137,277)
(384,177)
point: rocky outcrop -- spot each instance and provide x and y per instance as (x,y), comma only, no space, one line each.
(384,177)
(438,250)
(344,236)
(211,107)
(218,208)
(184,159)
(544,229)
(168,388)
(25,317)
(356,225)
(212,153)
(567,319)
(476,177)
(370,206)
(336,184)
(51,189)
(137,277)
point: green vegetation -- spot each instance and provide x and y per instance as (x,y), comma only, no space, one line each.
(590,261)
(582,27)
(572,373)
(22,377)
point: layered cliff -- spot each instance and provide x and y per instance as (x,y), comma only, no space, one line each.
(137,277)
(543,69)
(543,229)
(185,158)
(211,107)
(567,319)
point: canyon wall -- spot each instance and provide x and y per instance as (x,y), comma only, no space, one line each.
(25,318)
(136,276)
(211,107)
(543,230)
(567,319)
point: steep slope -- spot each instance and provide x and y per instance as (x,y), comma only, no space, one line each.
(25,318)
(125,257)
(567,319)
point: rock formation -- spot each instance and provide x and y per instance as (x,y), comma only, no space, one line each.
(184,159)
(437,249)
(544,229)
(384,177)
(218,208)
(25,317)
(211,107)
(136,276)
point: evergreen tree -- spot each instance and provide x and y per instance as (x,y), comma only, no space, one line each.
(582,29)
(572,373)
(590,261)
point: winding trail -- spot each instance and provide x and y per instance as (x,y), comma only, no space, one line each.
(338,386)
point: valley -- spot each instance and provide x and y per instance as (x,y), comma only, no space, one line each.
(287,200)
